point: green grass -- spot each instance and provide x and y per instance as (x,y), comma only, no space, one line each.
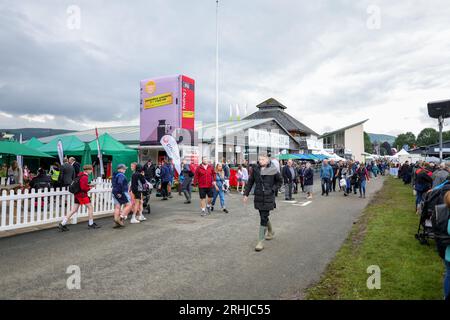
(384,236)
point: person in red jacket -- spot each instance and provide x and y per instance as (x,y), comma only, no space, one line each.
(204,177)
(82,198)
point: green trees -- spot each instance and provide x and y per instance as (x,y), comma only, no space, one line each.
(367,143)
(427,136)
(407,138)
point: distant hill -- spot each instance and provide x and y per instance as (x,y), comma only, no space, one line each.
(374,137)
(28,133)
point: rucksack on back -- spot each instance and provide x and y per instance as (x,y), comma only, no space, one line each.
(75,186)
(439,220)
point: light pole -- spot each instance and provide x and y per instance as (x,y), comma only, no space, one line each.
(217,83)
(439,110)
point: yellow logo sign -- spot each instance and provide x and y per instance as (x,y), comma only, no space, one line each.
(188,114)
(150,87)
(158,101)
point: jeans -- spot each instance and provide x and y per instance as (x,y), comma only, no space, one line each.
(288,190)
(186,187)
(326,185)
(362,187)
(164,190)
(264,217)
(221,195)
(333,183)
(447,280)
(419,195)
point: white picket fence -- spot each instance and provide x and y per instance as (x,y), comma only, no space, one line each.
(20,210)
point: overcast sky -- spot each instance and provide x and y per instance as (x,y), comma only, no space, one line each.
(326,60)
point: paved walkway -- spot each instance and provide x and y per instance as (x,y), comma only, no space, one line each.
(176,254)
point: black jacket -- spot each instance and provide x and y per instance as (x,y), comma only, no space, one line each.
(266,182)
(76,168)
(41,181)
(67,174)
(287,176)
(149,171)
(137,182)
(308,177)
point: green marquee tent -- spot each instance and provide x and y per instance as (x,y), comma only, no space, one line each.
(34,143)
(119,152)
(15,148)
(72,147)
(287,157)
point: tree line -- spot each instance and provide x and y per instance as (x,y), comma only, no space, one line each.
(426,137)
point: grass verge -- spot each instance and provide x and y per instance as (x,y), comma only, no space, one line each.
(384,236)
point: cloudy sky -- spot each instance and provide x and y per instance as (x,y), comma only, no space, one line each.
(331,62)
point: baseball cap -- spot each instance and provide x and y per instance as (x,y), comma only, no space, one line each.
(121,166)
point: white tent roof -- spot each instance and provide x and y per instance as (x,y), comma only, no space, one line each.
(402,152)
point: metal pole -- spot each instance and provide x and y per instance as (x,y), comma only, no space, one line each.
(441,124)
(217,83)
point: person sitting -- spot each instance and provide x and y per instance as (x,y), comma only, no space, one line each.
(41,181)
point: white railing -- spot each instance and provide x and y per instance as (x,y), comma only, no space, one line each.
(30,208)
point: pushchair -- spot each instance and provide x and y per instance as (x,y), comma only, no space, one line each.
(146,197)
(427,207)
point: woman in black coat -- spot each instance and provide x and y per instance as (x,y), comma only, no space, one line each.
(267,180)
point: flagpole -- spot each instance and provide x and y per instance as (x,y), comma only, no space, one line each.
(217,83)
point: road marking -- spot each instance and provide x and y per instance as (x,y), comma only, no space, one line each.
(292,201)
(302,204)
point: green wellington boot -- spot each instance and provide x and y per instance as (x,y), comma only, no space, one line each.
(262,232)
(270,233)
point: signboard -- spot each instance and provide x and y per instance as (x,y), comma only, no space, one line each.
(445,150)
(314,144)
(167,104)
(262,138)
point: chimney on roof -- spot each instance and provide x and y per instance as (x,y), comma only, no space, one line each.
(270,104)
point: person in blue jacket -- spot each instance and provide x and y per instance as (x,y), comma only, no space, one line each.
(121,196)
(326,174)
(166,177)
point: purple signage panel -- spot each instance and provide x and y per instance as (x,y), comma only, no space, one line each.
(160,113)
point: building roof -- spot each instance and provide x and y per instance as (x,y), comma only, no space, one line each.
(130,135)
(326,134)
(271,108)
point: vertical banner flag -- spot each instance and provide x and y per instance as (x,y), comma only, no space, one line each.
(172,150)
(20,158)
(238,116)
(99,154)
(231,112)
(60,152)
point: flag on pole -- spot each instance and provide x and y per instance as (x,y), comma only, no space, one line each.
(173,152)
(60,152)
(231,113)
(99,154)
(245,110)
(20,158)
(238,116)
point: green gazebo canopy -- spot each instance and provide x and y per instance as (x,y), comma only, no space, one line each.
(34,143)
(15,148)
(120,153)
(72,146)
(287,157)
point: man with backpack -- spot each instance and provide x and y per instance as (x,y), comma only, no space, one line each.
(80,188)
(120,196)
(423,183)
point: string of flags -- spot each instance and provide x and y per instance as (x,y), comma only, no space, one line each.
(237,112)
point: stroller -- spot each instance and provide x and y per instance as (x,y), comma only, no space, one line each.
(428,206)
(146,196)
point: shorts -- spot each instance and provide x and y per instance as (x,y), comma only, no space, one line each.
(82,200)
(122,200)
(138,195)
(309,189)
(205,192)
